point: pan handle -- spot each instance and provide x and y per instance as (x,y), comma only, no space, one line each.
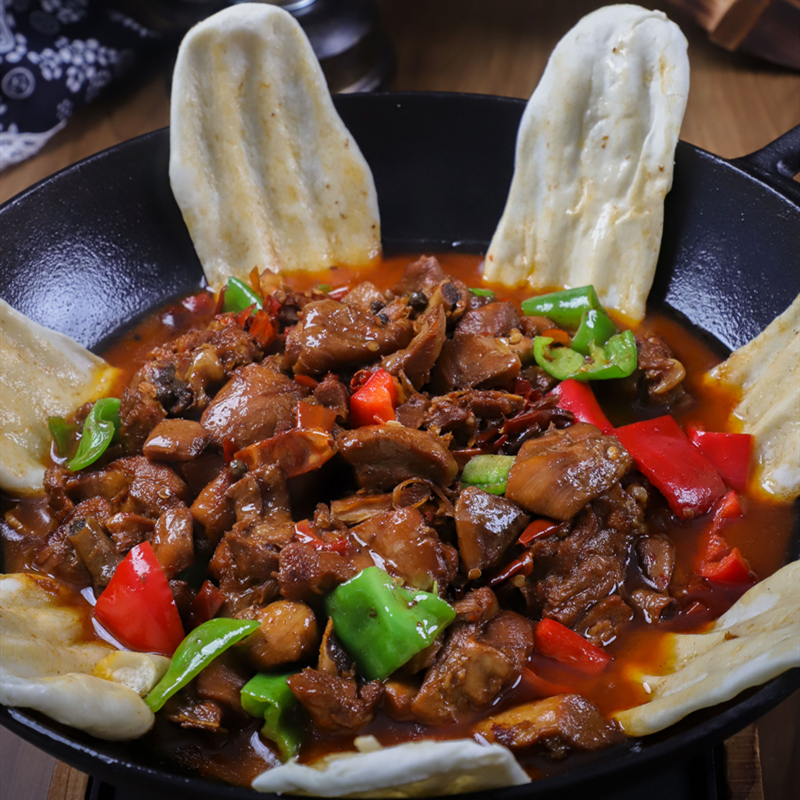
(777,163)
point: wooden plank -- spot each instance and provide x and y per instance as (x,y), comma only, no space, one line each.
(68,783)
(743,765)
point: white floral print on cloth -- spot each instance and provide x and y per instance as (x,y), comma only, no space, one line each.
(56,56)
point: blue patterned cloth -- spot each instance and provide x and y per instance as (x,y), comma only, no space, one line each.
(55,57)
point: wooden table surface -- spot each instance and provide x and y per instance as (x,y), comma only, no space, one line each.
(736,105)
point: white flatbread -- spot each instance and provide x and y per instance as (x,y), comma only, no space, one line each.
(44,374)
(428,768)
(767,372)
(46,663)
(263,169)
(756,640)
(594,160)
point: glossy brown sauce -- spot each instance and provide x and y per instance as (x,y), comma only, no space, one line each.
(762,535)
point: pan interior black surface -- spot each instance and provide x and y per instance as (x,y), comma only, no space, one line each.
(91,249)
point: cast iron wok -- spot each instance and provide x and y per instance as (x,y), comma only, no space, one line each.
(94,247)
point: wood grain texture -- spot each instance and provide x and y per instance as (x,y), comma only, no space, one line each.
(743,765)
(68,783)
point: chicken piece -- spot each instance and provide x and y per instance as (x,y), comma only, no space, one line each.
(173,540)
(213,509)
(493,319)
(176,440)
(573,572)
(336,705)
(486,525)
(560,472)
(222,680)
(477,663)
(96,550)
(560,722)
(189,713)
(127,530)
(333,658)
(152,487)
(385,455)
(472,360)
(398,697)
(657,558)
(601,624)
(417,360)
(406,547)
(258,402)
(288,633)
(654,605)
(306,574)
(333,336)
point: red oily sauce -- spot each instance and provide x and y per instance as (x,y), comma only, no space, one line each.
(762,534)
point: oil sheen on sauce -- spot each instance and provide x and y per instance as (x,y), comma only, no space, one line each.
(762,535)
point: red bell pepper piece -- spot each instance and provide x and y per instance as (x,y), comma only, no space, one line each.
(303,533)
(722,564)
(263,329)
(558,336)
(730,569)
(534,684)
(537,529)
(713,547)
(205,605)
(307,381)
(137,606)
(717,560)
(728,452)
(375,401)
(200,303)
(578,397)
(730,507)
(315,417)
(558,642)
(673,464)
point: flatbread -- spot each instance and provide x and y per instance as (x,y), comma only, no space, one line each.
(263,169)
(44,374)
(756,640)
(49,665)
(427,768)
(767,373)
(594,160)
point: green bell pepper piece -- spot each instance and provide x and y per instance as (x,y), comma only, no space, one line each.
(196,652)
(596,328)
(383,625)
(560,362)
(100,427)
(61,431)
(483,293)
(616,359)
(489,473)
(239,296)
(564,308)
(269,697)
